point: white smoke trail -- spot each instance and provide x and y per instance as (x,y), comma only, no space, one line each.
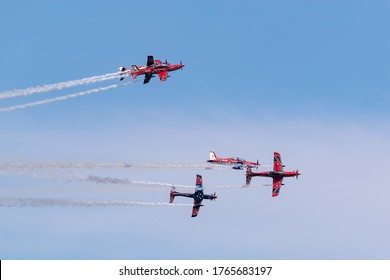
(182,166)
(61,98)
(48,202)
(74,165)
(58,86)
(26,169)
(116,181)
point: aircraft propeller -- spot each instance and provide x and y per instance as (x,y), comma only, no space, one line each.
(297,174)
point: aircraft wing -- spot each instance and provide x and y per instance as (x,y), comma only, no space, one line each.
(163,76)
(248,180)
(276,186)
(278,166)
(195,209)
(147,78)
(150,60)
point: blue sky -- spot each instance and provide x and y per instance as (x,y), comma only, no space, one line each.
(309,80)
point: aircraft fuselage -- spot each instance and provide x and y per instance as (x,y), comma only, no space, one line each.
(275,174)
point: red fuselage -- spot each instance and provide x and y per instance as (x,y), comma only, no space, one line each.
(236,163)
(275,174)
(152,67)
(156,69)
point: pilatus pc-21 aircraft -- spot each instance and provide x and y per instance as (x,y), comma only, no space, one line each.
(151,68)
(234,162)
(277,174)
(198,195)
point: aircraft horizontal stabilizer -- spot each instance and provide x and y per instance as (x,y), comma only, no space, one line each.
(172,195)
(122,69)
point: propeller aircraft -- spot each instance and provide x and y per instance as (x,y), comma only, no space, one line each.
(235,162)
(277,174)
(198,195)
(151,68)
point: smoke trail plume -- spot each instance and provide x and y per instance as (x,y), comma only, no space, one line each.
(58,86)
(116,181)
(48,202)
(75,165)
(62,98)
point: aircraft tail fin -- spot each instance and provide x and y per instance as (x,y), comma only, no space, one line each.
(172,194)
(213,156)
(133,71)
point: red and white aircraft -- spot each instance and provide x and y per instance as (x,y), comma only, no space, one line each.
(235,162)
(277,174)
(152,67)
(198,195)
